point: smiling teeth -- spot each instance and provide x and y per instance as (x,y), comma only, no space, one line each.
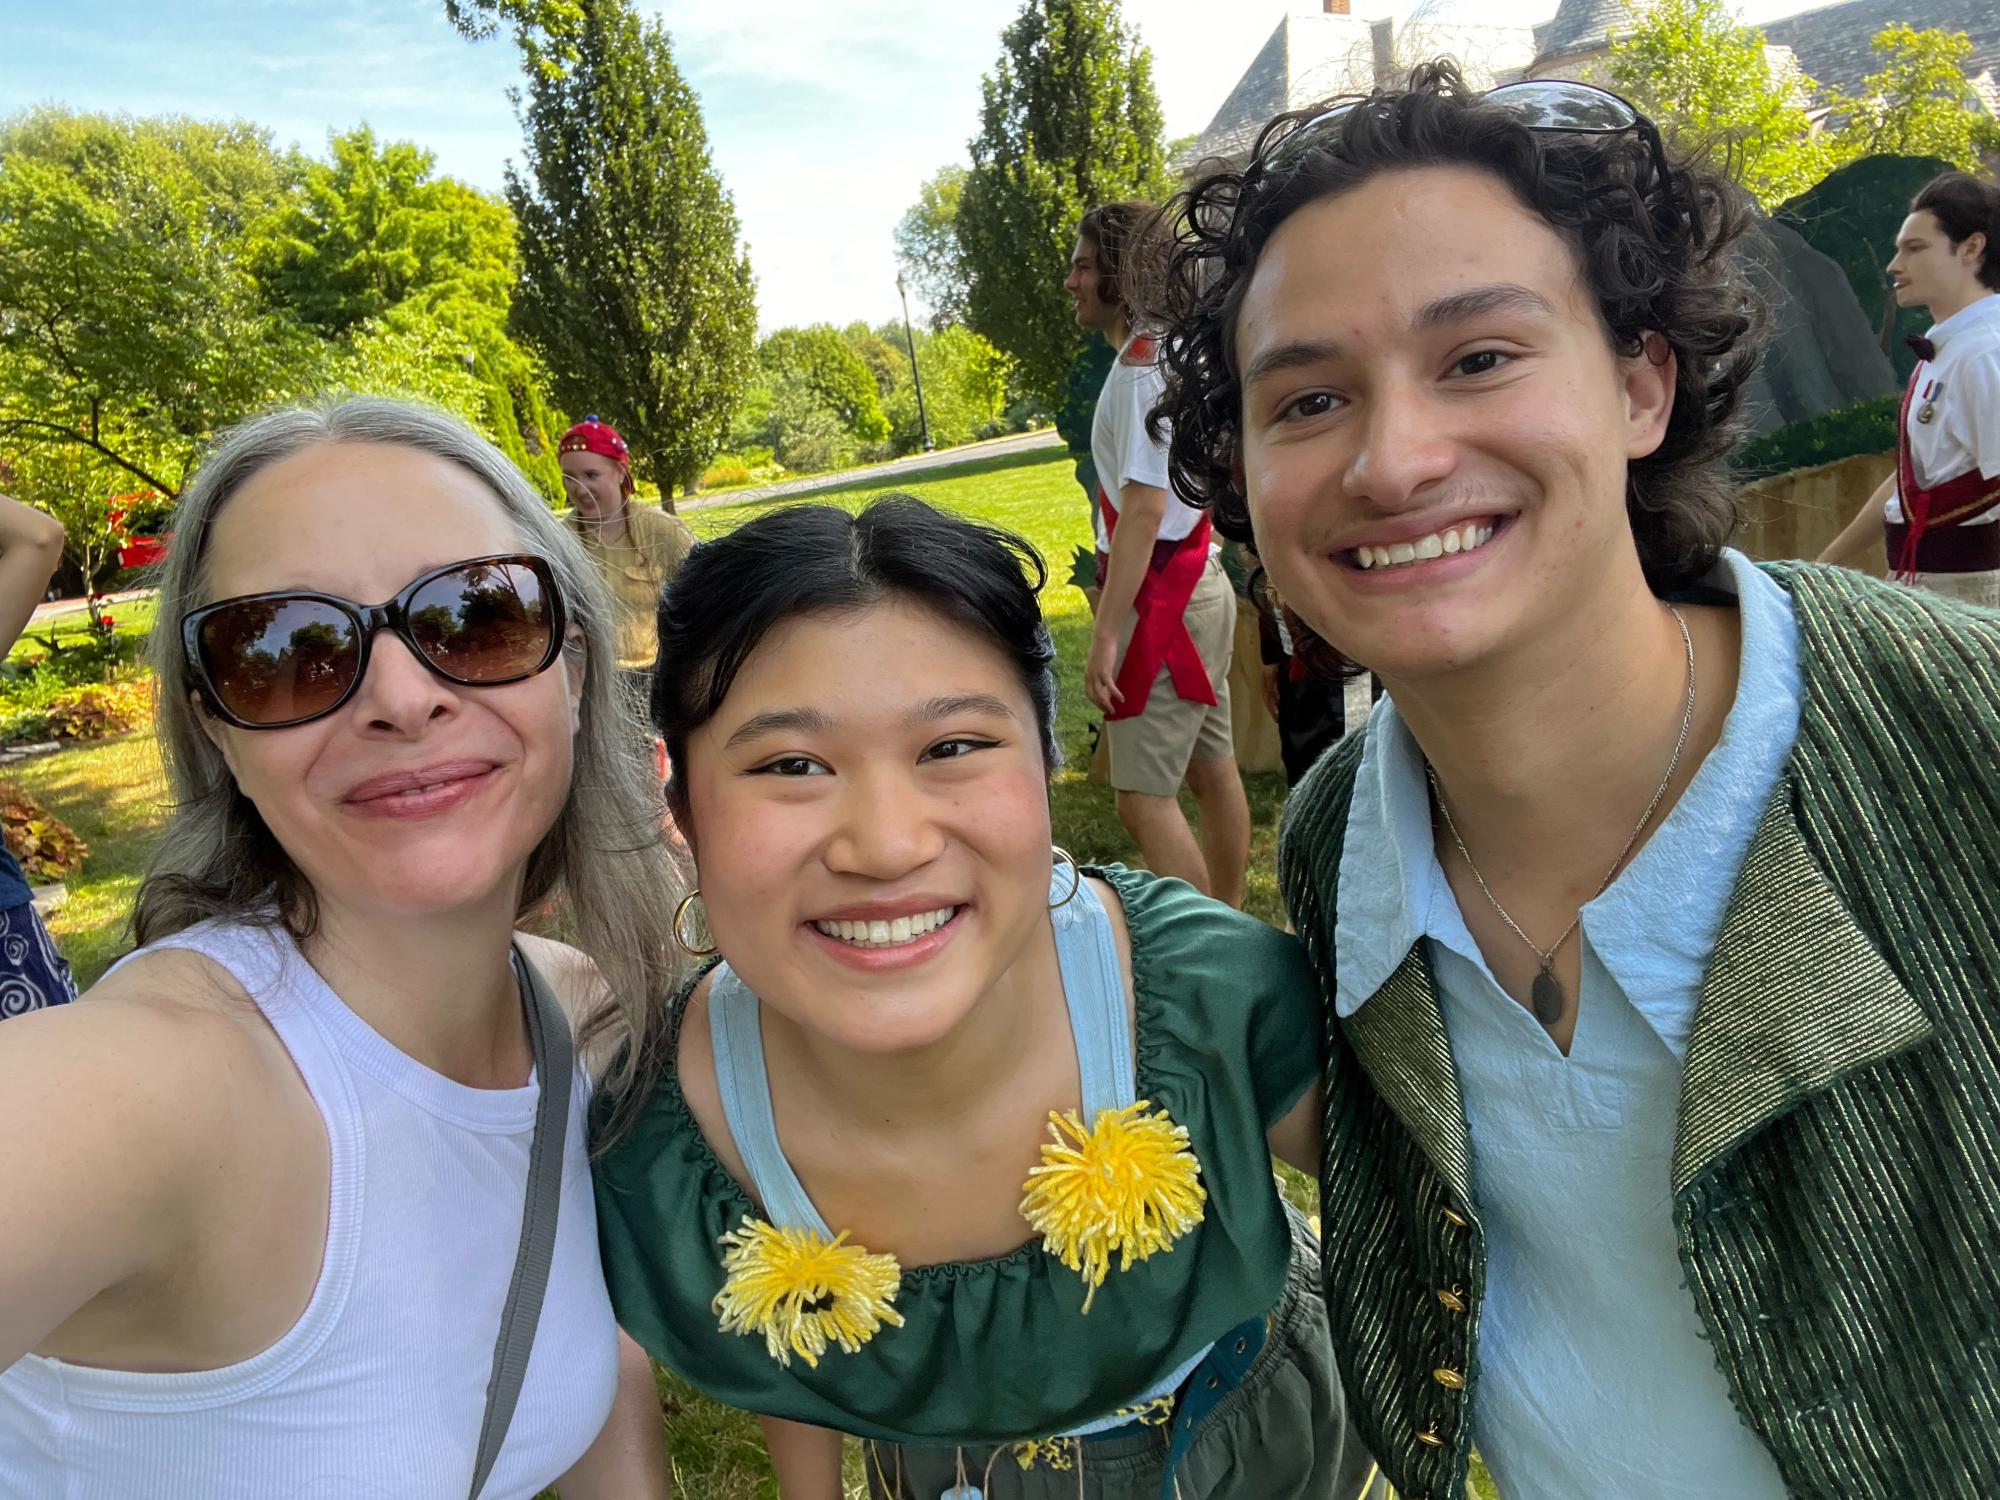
(892,933)
(1437,544)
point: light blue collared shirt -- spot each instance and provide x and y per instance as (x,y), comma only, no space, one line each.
(1595,1378)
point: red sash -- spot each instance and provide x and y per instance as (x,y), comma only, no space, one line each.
(1161,637)
(1951,503)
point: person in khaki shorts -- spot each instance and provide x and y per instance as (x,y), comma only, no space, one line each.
(1166,615)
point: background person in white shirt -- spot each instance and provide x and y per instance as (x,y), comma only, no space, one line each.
(1942,534)
(1166,614)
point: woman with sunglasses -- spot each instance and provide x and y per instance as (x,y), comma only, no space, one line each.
(958,1148)
(295,1168)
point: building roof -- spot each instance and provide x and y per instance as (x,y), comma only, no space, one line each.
(1263,91)
(1834,43)
(1310,55)
(1314,54)
(1581,26)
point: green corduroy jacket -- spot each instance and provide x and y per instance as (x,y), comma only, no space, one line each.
(1836,1160)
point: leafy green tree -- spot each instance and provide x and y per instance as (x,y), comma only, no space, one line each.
(805,434)
(823,364)
(411,276)
(1705,76)
(882,351)
(1919,103)
(129,324)
(635,288)
(1068,120)
(927,247)
(965,391)
(374,228)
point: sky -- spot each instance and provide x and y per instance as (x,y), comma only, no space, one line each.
(824,116)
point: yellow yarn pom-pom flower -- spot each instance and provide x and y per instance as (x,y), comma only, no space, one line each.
(803,1291)
(1128,1184)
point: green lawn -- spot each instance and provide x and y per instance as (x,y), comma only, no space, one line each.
(111,794)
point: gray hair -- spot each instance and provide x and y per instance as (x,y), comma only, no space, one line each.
(604,859)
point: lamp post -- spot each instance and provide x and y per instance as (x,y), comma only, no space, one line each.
(923,421)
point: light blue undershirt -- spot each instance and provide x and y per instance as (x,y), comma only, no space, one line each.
(1594,1376)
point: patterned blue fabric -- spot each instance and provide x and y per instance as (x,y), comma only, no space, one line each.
(13,884)
(32,974)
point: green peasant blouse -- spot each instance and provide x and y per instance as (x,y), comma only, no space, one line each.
(999,1350)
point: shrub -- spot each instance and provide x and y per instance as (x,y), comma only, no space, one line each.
(723,475)
(78,713)
(1865,427)
(76,663)
(47,847)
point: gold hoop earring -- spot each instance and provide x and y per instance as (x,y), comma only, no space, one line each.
(680,939)
(1063,856)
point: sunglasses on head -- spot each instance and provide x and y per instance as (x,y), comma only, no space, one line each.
(269,661)
(1550,105)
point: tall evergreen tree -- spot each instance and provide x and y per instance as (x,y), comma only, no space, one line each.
(635,287)
(1069,120)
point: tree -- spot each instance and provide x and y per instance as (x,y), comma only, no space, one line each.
(1708,79)
(635,288)
(412,277)
(374,228)
(1068,120)
(1920,102)
(881,351)
(822,363)
(965,391)
(927,247)
(129,323)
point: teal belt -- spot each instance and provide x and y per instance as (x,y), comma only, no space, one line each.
(1223,1371)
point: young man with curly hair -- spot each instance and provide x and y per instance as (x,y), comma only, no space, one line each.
(1653,910)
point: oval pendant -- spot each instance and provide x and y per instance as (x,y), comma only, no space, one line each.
(1547,998)
(1926,414)
(961,1492)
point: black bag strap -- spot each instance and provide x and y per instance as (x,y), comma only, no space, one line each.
(548,1035)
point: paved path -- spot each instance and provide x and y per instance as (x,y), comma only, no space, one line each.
(60,607)
(915,464)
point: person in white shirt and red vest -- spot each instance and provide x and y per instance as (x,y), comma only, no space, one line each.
(1166,614)
(1937,513)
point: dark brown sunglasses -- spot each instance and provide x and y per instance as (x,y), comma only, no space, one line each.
(269,661)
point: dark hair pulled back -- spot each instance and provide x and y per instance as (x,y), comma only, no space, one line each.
(1656,250)
(809,560)
(1965,205)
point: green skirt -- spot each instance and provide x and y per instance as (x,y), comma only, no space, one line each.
(1281,1435)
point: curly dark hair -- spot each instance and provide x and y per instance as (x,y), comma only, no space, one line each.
(1654,237)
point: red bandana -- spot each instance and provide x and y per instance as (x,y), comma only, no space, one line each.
(593,436)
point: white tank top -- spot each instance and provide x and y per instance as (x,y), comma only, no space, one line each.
(377,1392)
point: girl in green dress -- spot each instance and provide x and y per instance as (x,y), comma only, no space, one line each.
(956,1146)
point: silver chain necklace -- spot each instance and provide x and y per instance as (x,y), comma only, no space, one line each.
(1546,994)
